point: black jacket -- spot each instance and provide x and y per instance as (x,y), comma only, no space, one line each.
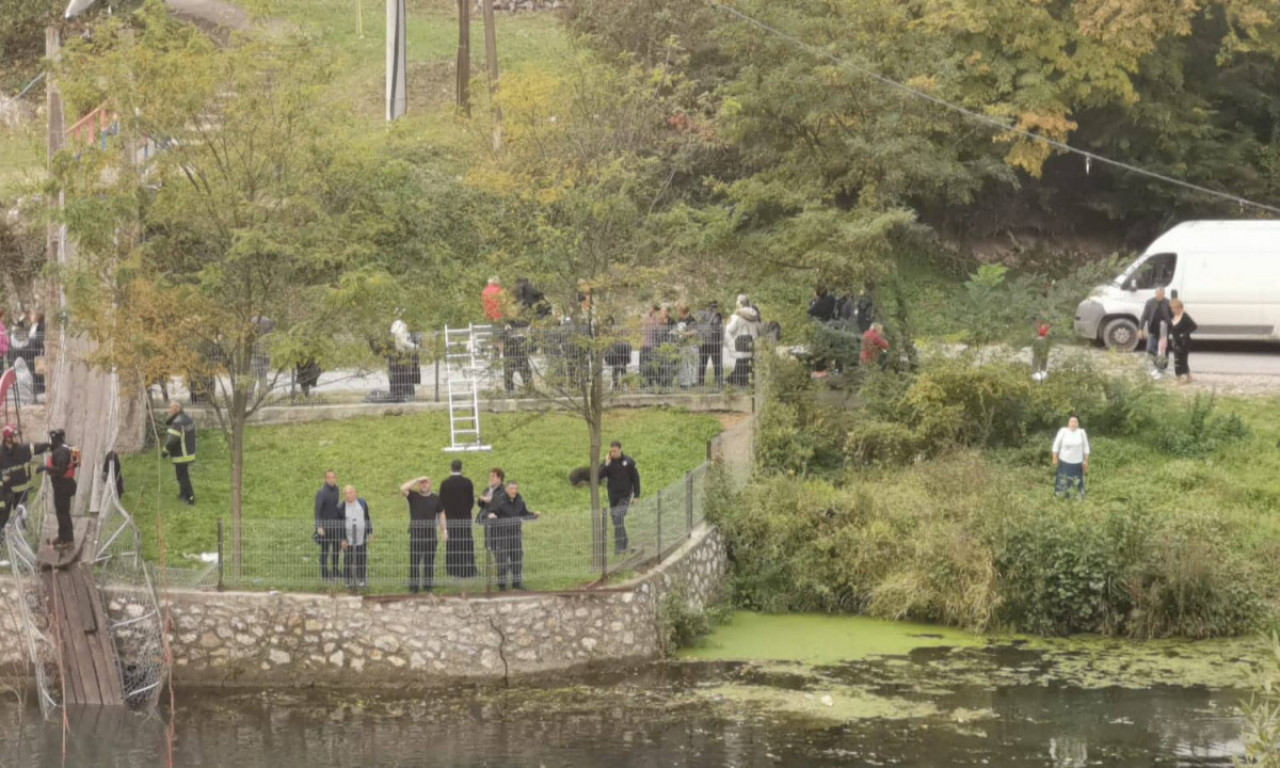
(1180,333)
(506,530)
(458,495)
(823,308)
(329,504)
(621,478)
(424,511)
(1154,313)
(181,443)
(15,462)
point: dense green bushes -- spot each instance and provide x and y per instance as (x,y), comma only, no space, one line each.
(960,543)
(931,499)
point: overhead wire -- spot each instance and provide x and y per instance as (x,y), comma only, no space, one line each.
(1089,157)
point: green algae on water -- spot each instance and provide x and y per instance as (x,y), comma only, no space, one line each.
(821,639)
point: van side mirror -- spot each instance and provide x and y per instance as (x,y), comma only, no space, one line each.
(1128,285)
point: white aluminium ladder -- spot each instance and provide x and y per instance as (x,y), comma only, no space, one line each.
(464,350)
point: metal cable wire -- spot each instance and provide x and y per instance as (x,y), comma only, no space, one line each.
(987,119)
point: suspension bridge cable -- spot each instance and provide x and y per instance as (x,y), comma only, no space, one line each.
(987,119)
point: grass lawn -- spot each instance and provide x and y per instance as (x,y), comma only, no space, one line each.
(284,467)
(21,160)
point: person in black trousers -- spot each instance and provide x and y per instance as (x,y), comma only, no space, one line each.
(458,495)
(623,483)
(329,517)
(505,519)
(426,514)
(1181,326)
(61,468)
(357,533)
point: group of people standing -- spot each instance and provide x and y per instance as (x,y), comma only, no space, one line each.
(838,319)
(24,341)
(19,464)
(344,529)
(1166,328)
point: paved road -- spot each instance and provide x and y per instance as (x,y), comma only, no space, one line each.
(1236,358)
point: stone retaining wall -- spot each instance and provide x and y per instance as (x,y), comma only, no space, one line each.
(258,639)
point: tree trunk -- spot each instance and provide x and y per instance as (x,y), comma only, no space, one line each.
(464,56)
(491,62)
(239,419)
(595,424)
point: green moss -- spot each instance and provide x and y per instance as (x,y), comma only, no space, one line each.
(818,639)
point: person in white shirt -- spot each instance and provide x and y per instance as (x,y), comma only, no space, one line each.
(1071,457)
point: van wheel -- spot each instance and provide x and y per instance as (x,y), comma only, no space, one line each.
(1121,334)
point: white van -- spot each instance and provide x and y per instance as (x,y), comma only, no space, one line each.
(1226,272)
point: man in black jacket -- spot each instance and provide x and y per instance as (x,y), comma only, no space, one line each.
(505,518)
(15,471)
(623,482)
(426,516)
(457,496)
(180,447)
(329,517)
(1153,326)
(822,307)
(711,344)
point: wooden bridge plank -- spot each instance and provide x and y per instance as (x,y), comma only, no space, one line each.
(77,661)
(71,688)
(106,661)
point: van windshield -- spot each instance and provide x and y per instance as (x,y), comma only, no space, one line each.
(1147,272)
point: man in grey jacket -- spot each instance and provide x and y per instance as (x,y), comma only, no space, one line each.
(1154,323)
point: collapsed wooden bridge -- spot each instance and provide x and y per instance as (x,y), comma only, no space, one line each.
(87,657)
(82,654)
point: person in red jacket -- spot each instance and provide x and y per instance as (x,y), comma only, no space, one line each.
(874,346)
(492,296)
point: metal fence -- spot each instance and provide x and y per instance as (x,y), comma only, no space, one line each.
(519,361)
(558,551)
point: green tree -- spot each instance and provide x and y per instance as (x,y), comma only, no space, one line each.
(251,207)
(585,184)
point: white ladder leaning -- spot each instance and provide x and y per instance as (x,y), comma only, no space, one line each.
(464,353)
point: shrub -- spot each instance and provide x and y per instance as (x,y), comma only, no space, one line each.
(1198,432)
(883,442)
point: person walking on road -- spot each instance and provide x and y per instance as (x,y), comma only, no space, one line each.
(505,520)
(1153,327)
(357,532)
(1071,457)
(1181,326)
(180,447)
(458,496)
(329,517)
(622,480)
(426,517)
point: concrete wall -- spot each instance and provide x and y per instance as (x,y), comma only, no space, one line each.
(257,639)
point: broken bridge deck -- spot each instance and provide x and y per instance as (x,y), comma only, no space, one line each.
(87,655)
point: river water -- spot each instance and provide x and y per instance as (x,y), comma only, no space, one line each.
(826,699)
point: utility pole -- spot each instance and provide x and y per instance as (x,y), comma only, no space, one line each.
(56,136)
(491,62)
(397,101)
(464,57)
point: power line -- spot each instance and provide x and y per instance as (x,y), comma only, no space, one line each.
(1089,157)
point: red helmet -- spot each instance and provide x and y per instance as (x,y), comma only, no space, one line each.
(9,430)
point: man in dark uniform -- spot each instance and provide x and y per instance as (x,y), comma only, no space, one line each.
(505,518)
(623,482)
(180,447)
(458,495)
(329,519)
(61,468)
(15,471)
(426,514)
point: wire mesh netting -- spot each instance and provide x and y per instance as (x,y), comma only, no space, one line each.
(24,529)
(560,550)
(137,624)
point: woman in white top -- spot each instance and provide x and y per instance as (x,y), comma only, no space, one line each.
(1071,457)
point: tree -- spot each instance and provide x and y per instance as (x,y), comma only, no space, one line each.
(239,234)
(585,180)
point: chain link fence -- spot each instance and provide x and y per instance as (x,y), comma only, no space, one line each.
(560,550)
